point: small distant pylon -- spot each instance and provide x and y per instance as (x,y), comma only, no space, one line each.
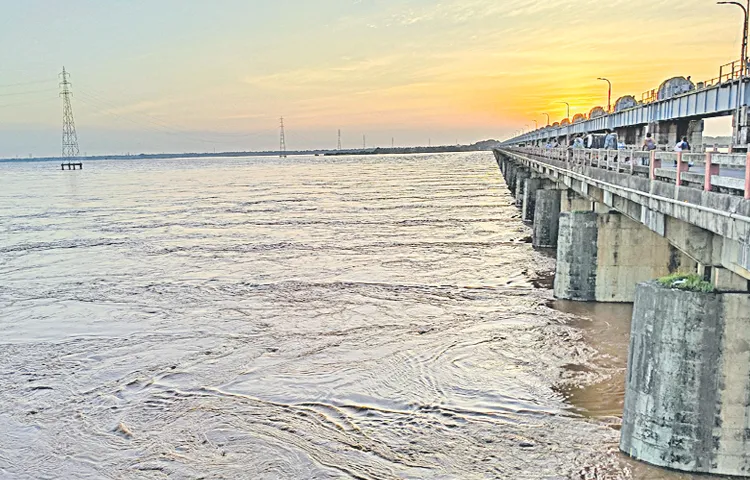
(69,135)
(282,141)
(339,146)
(364,142)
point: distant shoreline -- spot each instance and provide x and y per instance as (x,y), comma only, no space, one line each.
(480,146)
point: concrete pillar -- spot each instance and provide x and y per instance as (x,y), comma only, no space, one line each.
(570,201)
(695,135)
(601,257)
(510,179)
(688,381)
(529,198)
(577,253)
(664,133)
(546,217)
(744,131)
(521,177)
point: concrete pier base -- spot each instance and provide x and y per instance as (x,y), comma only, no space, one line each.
(510,178)
(529,198)
(577,253)
(601,257)
(546,218)
(688,381)
(521,176)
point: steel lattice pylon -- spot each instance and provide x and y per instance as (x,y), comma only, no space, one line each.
(69,136)
(282,141)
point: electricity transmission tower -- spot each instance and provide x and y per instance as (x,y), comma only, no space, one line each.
(282,141)
(69,136)
(364,142)
(339,147)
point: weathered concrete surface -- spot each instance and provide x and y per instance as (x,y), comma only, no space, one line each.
(577,256)
(688,381)
(521,176)
(546,218)
(570,201)
(602,257)
(529,198)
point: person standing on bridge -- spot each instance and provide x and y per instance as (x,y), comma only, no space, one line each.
(610,141)
(648,143)
(682,145)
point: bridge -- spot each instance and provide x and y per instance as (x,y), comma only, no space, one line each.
(621,219)
(667,115)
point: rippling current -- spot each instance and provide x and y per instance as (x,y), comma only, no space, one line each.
(305,318)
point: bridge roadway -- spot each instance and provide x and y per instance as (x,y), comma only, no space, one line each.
(719,98)
(619,220)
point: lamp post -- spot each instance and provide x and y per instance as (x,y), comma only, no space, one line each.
(609,93)
(536,125)
(566,103)
(547,118)
(743,53)
(743,66)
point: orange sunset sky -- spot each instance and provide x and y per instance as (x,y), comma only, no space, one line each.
(195,76)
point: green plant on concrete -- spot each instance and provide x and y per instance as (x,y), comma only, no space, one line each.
(688,282)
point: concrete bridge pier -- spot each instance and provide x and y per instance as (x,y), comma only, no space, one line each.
(546,218)
(510,177)
(533,184)
(522,175)
(688,381)
(602,256)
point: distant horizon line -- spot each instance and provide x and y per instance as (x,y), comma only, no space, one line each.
(256,153)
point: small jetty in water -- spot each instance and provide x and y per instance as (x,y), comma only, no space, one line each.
(71,165)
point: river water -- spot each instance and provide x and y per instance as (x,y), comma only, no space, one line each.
(306,318)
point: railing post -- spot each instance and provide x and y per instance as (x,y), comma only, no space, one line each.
(653,165)
(680,168)
(747,177)
(711,170)
(632,162)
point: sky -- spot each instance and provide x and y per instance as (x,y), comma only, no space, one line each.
(196,76)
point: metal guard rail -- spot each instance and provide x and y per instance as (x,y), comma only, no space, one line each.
(629,161)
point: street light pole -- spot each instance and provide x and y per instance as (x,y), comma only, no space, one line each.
(743,66)
(536,125)
(566,103)
(548,113)
(609,93)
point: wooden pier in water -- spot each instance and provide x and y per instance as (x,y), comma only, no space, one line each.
(71,165)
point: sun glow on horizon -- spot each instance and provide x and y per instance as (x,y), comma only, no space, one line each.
(189,75)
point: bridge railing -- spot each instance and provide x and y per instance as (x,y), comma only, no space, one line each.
(710,171)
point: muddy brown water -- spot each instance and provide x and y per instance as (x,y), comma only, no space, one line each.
(306,318)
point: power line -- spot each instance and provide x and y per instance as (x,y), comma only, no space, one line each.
(23,84)
(28,92)
(69,135)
